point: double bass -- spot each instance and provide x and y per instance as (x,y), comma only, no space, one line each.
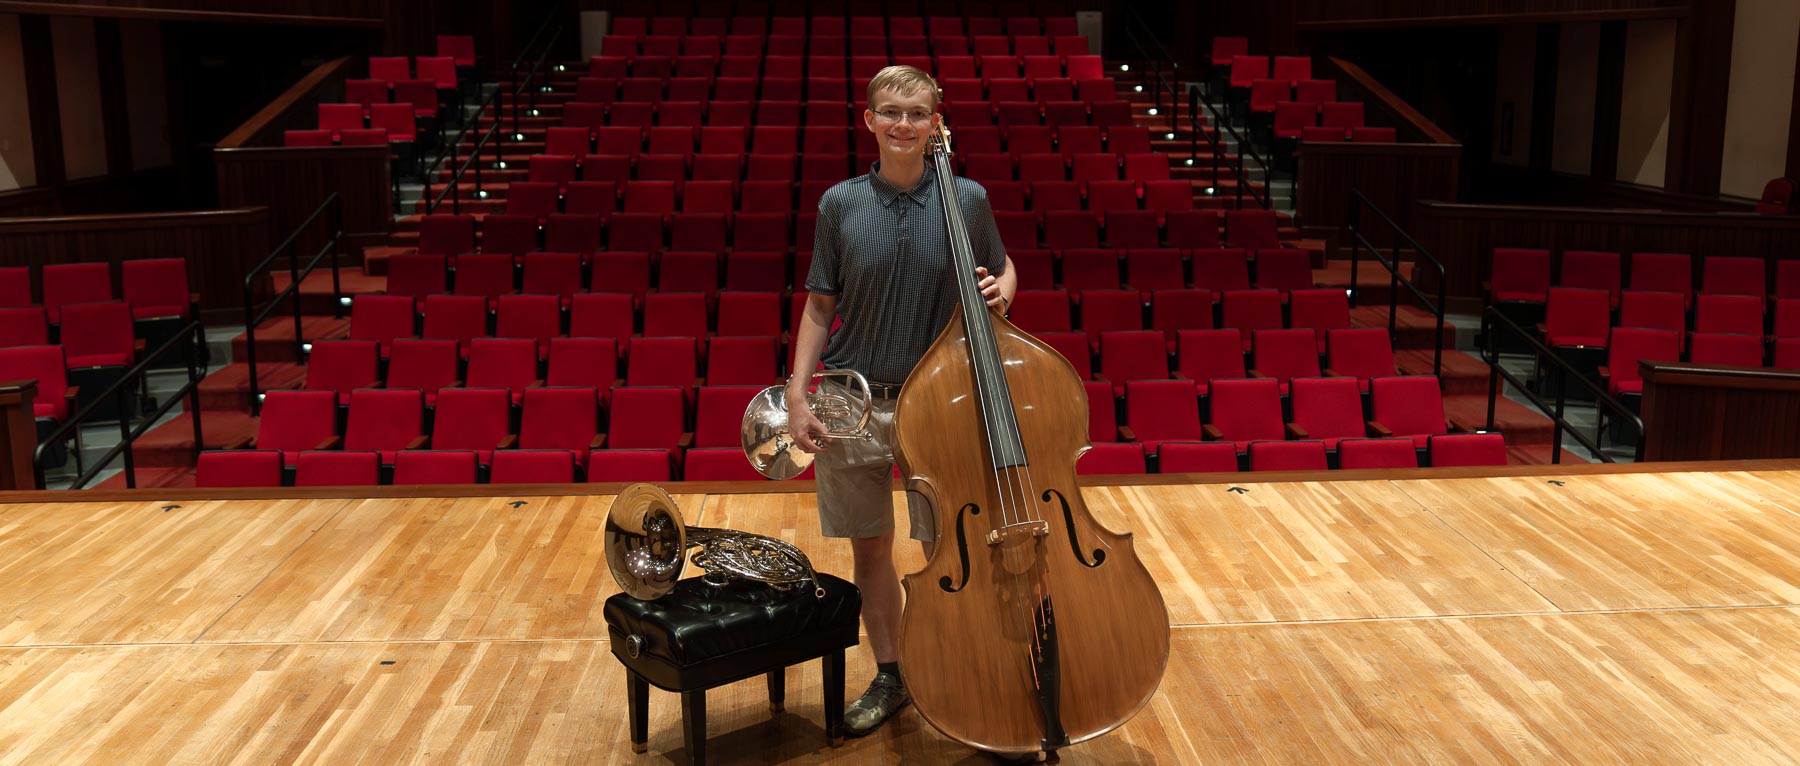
(1032,627)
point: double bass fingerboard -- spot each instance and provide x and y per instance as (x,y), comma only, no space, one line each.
(1005,447)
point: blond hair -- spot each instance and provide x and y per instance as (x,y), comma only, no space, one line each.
(906,81)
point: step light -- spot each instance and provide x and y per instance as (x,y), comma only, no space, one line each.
(1153,111)
(306,348)
(1124,67)
(1190,162)
(1138,88)
(1170,135)
(501,165)
(1209,191)
(481,194)
(344,301)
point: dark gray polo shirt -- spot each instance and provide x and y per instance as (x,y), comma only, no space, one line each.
(884,253)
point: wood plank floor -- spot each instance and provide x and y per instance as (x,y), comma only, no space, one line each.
(1606,618)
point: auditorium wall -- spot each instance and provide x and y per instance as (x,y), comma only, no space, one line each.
(146,94)
(17,167)
(1644,102)
(1513,87)
(1577,87)
(78,97)
(1764,39)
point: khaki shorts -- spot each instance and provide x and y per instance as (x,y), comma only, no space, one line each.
(855,483)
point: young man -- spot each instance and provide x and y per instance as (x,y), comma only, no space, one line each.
(881,263)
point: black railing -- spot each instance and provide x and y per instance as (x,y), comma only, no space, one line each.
(1562,374)
(333,208)
(449,155)
(1151,78)
(120,394)
(1396,280)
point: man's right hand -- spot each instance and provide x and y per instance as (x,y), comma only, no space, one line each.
(803,425)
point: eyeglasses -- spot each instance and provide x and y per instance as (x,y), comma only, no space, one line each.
(895,115)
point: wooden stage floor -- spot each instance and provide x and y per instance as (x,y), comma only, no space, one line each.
(1576,617)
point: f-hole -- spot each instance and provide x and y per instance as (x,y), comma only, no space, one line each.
(962,550)
(1099,556)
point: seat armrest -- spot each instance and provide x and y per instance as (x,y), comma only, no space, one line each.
(329,443)
(71,393)
(1296,431)
(1331,373)
(1179,375)
(1212,433)
(138,345)
(686,440)
(1459,425)
(418,442)
(1098,378)
(1605,372)
(1255,373)
(1380,430)
(508,442)
(535,384)
(597,442)
(1126,434)
(239,443)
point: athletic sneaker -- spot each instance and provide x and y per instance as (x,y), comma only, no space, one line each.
(885,697)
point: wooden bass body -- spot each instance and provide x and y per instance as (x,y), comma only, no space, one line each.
(1032,627)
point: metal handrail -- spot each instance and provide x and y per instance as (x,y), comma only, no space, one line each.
(120,391)
(252,317)
(1161,84)
(1492,319)
(1358,242)
(452,188)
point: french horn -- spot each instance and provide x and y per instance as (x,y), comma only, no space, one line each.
(768,441)
(647,543)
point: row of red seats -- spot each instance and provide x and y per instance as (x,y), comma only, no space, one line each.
(836,113)
(326,468)
(1576,316)
(1626,346)
(1245,410)
(731,152)
(838,43)
(1097,177)
(152,287)
(786,61)
(579,231)
(656,90)
(1523,275)
(1051,21)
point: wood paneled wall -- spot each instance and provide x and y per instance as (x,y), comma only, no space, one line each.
(1350,14)
(366,13)
(1464,236)
(219,245)
(1390,175)
(1719,413)
(255,169)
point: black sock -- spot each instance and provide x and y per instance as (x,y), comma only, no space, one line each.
(890,668)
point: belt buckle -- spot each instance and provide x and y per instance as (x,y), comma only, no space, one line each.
(884,390)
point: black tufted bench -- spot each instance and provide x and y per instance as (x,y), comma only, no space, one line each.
(699,636)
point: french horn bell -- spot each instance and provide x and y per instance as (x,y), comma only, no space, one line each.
(768,441)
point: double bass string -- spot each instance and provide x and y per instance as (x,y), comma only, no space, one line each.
(984,352)
(980,334)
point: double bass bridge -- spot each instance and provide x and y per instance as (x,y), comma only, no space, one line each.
(1023,531)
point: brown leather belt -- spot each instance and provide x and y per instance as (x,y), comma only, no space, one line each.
(884,390)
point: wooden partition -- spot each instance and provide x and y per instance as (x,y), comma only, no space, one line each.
(1425,164)
(255,169)
(18,435)
(1464,236)
(219,245)
(1357,14)
(1719,413)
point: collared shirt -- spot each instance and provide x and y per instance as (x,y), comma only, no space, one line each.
(885,254)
